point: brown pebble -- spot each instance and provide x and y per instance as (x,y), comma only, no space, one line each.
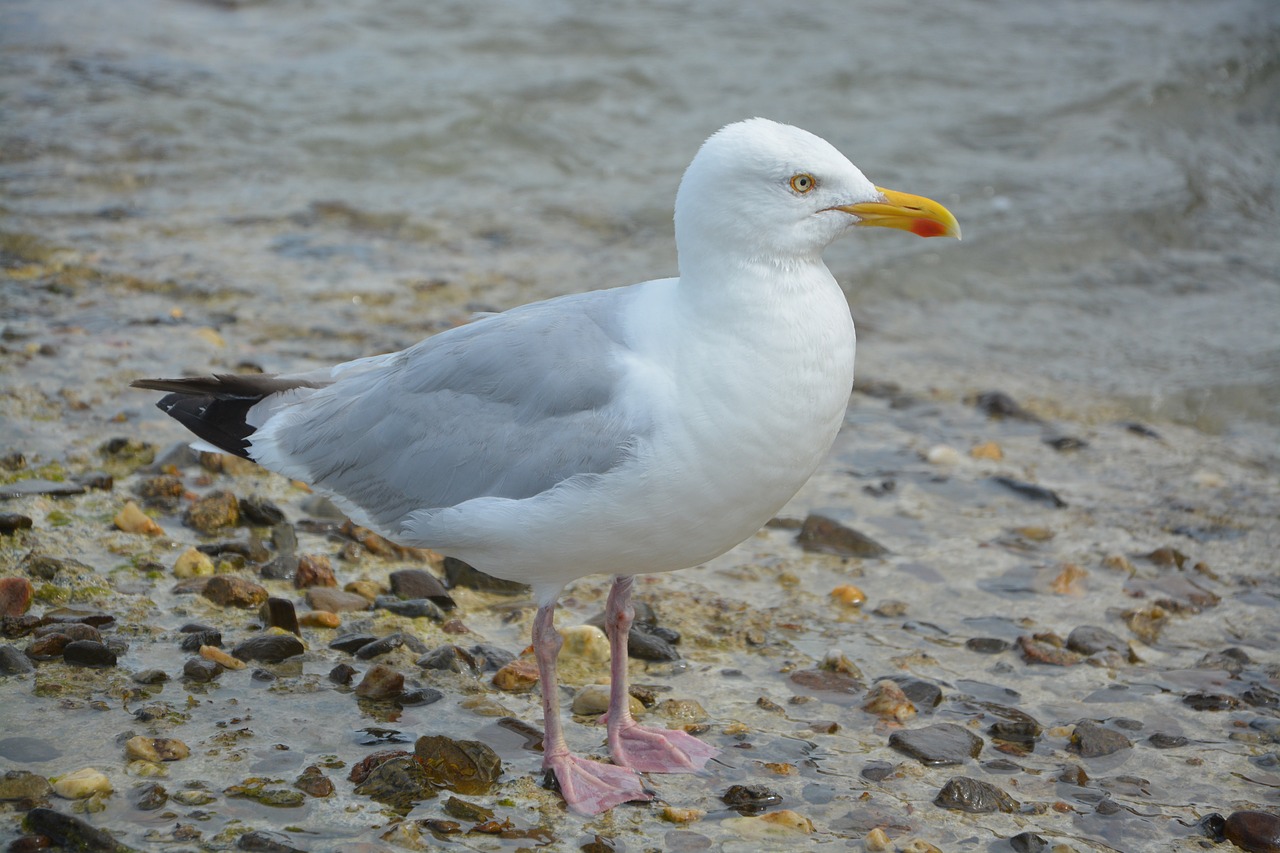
(231,591)
(214,512)
(887,700)
(280,613)
(131,519)
(380,682)
(987,450)
(319,619)
(220,657)
(314,570)
(849,595)
(1070,581)
(1257,832)
(1034,651)
(155,749)
(519,676)
(15,596)
(827,536)
(335,600)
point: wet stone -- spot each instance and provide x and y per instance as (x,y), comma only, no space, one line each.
(379,647)
(1028,842)
(1160,740)
(13,662)
(1031,491)
(88,653)
(419,583)
(280,613)
(1090,639)
(457,573)
(450,659)
(974,795)
(924,694)
(877,771)
(518,676)
(938,745)
(362,768)
(24,785)
(824,535)
(69,832)
(213,513)
(263,841)
(192,641)
(490,657)
(155,749)
(887,700)
(199,669)
(467,767)
(419,696)
(283,568)
(1037,652)
(1210,702)
(999,405)
(230,591)
(399,782)
(314,783)
(313,570)
(1261,697)
(150,797)
(351,643)
(1255,831)
(342,674)
(1232,660)
(412,608)
(15,596)
(1066,443)
(380,683)
(751,799)
(269,648)
(260,511)
(987,645)
(643,645)
(1091,740)
(151,676)
(335,600)
(12,522)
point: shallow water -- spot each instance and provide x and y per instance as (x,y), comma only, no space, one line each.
(191,186)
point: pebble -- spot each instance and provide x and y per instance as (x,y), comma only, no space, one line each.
(221,658)
(142,748)
(201,669)
(319,619)
(674,814)
(974,795)
(12,522)
(823,535)
(351,643)
(380,647)
(151,676)
(449,659)
(269,648)
(1035,651)
(88,653)
(938,745)
(645,645)
(231,591)
(877,841)
(887,700)
(1091,740)
(260,511)
(195,640)
(381,682)
(213,512)
(15,596)
(467,767)
(131,519)
(399,781)
(342,674)
(750,799)
(457,573)
(414,608)
(69,832)
(584,643)
(490,657)
(13,662)
(1028,842)
(314,783)
(335,600)
(987,645)
(1031,491)
(849,595)
(518,676)
(941,454)
(24,785)
(593,700)
(313,570)
(82,783)
(1210,702)
(1254,831)
(1090,639)
(418,583)
(192,563)
(988,450)
(280,613)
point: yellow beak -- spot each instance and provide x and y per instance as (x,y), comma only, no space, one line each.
(921,216)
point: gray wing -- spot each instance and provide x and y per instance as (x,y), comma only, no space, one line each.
(507,406)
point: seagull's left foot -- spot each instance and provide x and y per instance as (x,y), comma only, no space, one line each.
(658,750)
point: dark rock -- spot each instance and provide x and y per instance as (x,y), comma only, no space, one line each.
(264,841)
(877,771)
(362,768)
(193,641)
(1091,740)
(237,553)
(997,404)
(314,783)
(24,785)
(1160,740)
(260,511)
(823,535)
(1257,832)
(457,573)
(643,645)
(15,596)
(12,522)
(314,570)
(335,600)
(1030,491)
(750,799)
(58,615)
(213,512)
(1090,639)
(13,662)
(199,669)
(1028,842)
(231,591)
(351,643)
(13,627)
(27,488)
(151,676)
(380,647)
(380,683)
(419,696)
(1210,702)
(149,797)
(1261,697)
(399,782)
(1141,429)
(283,568)
(280,613)
(466,767)
(450,659)
(1035,651)
(974,795)
(491,658)
(269,648)
(463,810)
(70,832)
(1063,443)
(413,608)
(263,676)
(923,694)
(88,653)
(1233,660)
(987,645)
(937,745)
(418,583)
(72,631)
(342,674)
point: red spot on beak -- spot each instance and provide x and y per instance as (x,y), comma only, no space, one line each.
(927,228)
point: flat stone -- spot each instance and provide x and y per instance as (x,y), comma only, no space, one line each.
(88,653)
(24,785)
(231,591)
(27,488)
(335,600)
(13,662)
(824,535)
(260,511)
(1090,639)
(457,573)
(643,645)
(70,832)
(412,608)
(450,659)
(938,745)
(269,648)
(419,583)
(1090,740)
(1037,652)
(974,795)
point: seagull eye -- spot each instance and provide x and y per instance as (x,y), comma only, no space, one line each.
(803,183)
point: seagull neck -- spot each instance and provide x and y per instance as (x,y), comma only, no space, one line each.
(758,280)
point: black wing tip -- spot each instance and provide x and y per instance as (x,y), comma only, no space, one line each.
(220,422)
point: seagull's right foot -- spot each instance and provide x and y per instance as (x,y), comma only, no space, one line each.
(591,787)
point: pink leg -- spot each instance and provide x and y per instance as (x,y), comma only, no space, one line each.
(631,744)
(589,787)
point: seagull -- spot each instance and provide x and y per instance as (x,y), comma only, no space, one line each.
(622,431)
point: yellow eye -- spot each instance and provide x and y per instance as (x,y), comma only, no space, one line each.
(803,183)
